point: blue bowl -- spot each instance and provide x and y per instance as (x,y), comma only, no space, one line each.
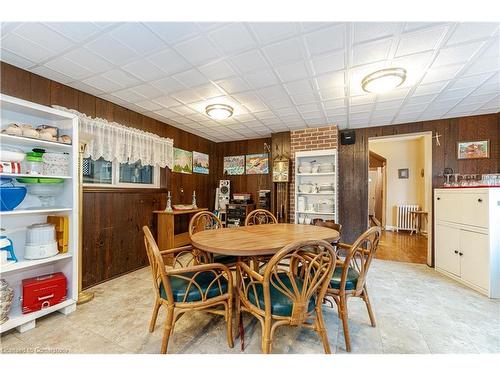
(11,197)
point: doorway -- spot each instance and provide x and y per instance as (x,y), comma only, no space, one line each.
(400,195)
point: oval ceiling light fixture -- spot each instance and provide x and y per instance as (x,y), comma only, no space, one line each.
(219,111)
(383,80)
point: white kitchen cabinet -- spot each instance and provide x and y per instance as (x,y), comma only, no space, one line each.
(467,237)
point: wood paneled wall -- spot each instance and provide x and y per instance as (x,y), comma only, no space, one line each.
(244,183)
(113,218)
(353,161)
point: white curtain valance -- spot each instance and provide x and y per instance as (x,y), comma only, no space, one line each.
(113,141)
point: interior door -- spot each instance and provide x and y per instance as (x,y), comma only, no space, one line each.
(447,249)
(474,263)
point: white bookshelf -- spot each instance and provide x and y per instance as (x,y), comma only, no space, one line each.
(30,210)
(319,156)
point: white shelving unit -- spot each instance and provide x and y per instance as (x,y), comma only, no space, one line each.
(319,156)
(14,110)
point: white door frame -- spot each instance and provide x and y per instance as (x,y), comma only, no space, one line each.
(427,183)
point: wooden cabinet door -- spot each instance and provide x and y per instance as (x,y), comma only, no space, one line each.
(474,209)
(447,246)
(447,207)
(474,261)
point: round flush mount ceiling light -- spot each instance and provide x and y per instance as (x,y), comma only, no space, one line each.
(383,80)
(219,111)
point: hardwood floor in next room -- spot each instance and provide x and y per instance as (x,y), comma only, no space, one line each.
(402,247)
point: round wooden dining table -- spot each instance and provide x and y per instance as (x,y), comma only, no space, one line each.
(255,240)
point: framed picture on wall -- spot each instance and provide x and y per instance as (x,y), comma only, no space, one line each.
(473,149)
(200,162)
(234,165)
(183,161)
(403,173)
(257,164)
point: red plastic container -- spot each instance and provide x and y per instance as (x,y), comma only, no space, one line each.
(43,291)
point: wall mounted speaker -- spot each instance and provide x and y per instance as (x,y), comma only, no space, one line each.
(347,137)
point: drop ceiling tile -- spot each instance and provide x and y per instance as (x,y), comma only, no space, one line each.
(261,78)
(169,61)
(454,94)
(422,40)
(187,96)
(313,107)
(389,105)
(249,61)
(332,104)
(420,100)
(149,105)
(69,68)
(304,99)
(285,52)
(431,88)
(76,31)
(40,34)
(332,93)
(25,48)
(208,91)
(362,99)
(363,108)
(138,38)
(272,92)
(51,74)
(456,54)
(8,27)
(148,91)
(217,70)
(173,32)
(251,101)
(395,94)
(233,85)
(111,50)
(329,63)
(482,66)
(299,87)
(167,85)
(493,50)
(279,103)
(103,84)
(13,59)
(292,71)
(190,78)
(128,95)
(471,81)
(89,60)
(413,109)
(290,111)
(336,112)
(336,79)
(144,70)
(371,52)
(326,40)
(121,78)
(184,111)
(232,38)
(80,85)
(268,32)
(197,51)
(366,31)
(441,73)
(471,31)
(415,66)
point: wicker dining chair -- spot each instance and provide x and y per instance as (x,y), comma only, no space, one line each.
(349,277)
(206,220)
(332,225)
(186,286)
(289,291)
(260,216)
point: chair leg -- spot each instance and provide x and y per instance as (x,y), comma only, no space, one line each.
(345,324)
(368,306)
(168,329)
(229,322)
(266,337)
(155,315)
(322,331)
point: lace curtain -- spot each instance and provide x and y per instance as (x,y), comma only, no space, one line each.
(113,141)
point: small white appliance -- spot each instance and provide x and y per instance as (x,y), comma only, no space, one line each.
(40,241)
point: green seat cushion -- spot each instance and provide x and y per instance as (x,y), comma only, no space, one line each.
(204,279)
(280,304)
(352,278)
(225,259)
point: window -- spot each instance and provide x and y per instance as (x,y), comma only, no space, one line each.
(113,174)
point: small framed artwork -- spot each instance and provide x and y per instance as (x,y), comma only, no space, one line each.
(200,162)
(403,173)
(234,165)
(473,149)
(257,164)
(183,161)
